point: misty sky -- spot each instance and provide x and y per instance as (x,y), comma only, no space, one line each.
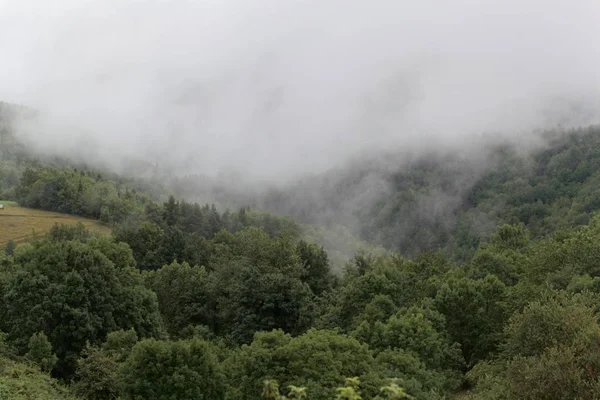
(281,87)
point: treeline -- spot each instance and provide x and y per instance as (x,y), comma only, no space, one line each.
(519,321)
(158,233)
(77,192)
(180,230)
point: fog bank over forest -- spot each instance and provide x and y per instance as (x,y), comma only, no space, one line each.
(277,89)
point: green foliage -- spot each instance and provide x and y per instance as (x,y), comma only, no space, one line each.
(395,392)
(180,231)
(489,381)
(165,370)
(413,375)
(505,257)
(317,272)
(475,313)
(119,343)
(22,381)
(402,282)
(252,301)
(74,293)
(271,389)
(559,373)
(297,392)
(252,282)
(350,391)
(551,351)
(71,191)
(421,333)
(62,233)
(569,252)
(510,237)
(97,375)
(10,247)
(183,296)
(255,284)
(414,346)
(40,352)
(146,242)
(556,320)
(5,349)
(317,360)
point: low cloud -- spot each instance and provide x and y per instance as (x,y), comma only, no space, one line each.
(277,89)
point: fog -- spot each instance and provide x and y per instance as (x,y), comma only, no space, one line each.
(274,89)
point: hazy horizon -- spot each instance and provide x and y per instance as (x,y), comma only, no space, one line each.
(275,89)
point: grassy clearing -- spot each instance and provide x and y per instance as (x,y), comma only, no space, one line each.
(22,224)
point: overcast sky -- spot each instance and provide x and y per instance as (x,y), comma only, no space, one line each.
(281,87)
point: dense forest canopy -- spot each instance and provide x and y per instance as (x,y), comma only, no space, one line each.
(486,284)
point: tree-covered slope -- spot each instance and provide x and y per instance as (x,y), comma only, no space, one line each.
(452,201)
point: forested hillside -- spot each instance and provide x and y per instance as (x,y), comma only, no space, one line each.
(494,294)
(412,203)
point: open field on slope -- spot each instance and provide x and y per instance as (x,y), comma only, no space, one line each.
(21,224)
